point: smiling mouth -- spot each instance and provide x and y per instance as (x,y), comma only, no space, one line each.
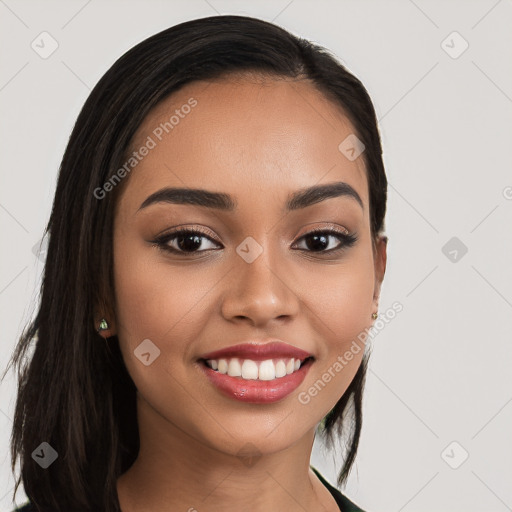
(257,370)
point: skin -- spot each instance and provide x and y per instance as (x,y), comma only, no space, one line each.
(257,140)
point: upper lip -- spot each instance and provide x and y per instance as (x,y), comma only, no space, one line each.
(259,351)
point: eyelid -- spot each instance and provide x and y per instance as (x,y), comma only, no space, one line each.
(325,227)
(187,227)
(208,233)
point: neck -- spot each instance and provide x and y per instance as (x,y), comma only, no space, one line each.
(176,471)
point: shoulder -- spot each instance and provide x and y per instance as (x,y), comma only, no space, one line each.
(24,508)
(27,507)
(343,502)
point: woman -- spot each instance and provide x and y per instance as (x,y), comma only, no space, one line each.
(214,264)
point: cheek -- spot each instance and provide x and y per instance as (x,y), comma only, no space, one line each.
(342,299)
(340,305)
(157,301)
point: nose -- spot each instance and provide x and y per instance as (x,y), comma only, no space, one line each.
(260,292)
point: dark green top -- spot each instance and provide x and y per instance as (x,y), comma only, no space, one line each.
(343,502)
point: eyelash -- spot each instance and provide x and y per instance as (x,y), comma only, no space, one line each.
(346,240)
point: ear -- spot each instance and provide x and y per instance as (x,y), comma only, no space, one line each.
(380,258)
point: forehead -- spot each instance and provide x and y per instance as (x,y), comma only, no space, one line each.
(241,135)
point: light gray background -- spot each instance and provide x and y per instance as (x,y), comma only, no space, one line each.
(440,371)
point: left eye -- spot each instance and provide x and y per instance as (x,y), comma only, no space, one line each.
(319,240)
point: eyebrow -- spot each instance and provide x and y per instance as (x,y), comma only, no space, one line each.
(221,201)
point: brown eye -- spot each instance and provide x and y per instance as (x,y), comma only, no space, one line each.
(184,241)
(319,240)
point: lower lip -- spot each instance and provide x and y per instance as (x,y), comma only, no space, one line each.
(257,391)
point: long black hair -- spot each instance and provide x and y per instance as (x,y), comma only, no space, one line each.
(74,392)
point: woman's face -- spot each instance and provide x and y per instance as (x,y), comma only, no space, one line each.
(253,273)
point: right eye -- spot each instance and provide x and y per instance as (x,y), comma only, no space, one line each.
(185,240)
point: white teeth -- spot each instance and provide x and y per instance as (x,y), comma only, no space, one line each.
(234,368)
(267,370)
(248,369)
(280,368)
(223,366)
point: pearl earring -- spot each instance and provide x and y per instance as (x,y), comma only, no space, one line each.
(103,325)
